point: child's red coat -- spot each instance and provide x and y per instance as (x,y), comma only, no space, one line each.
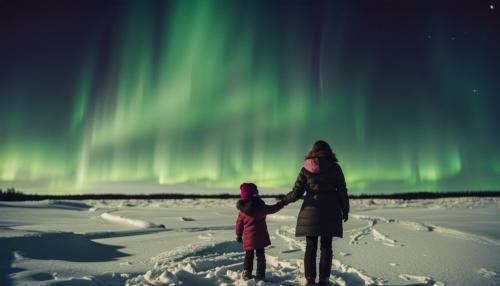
(251,222)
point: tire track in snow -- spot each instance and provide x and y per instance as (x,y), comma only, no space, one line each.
(449,231)
(370,229)
(417,226)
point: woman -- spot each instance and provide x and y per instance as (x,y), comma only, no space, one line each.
(325,205)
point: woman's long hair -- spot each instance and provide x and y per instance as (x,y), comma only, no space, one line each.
(321,149)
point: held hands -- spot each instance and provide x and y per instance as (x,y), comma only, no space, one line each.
(281,199)
(283,203)
(239,239)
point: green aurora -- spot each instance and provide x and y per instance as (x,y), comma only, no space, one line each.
(214,93)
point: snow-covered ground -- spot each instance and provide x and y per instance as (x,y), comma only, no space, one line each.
(191,242)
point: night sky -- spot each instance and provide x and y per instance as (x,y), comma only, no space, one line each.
(213,93)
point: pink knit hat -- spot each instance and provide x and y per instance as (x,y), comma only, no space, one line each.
(248,190)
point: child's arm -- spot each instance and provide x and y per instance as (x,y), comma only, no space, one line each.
(274,208)
(239,225)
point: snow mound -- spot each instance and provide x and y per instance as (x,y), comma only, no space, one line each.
(129,221)
(68,205)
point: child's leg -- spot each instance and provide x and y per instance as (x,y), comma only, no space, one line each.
(261,263)
(248,264)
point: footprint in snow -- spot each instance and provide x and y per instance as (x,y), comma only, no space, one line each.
(421,279)
(488,274)
(290,250)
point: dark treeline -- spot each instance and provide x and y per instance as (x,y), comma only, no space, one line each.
(12,195)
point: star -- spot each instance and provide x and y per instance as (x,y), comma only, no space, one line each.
(492,7)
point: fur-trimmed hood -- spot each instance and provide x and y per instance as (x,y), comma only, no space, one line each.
(249,206)
(319,164)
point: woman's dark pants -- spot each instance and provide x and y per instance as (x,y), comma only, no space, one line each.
(261,262)
(325,260)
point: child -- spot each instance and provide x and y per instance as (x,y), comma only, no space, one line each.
(251,224)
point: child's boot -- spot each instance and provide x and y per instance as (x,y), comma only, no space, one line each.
(247,275)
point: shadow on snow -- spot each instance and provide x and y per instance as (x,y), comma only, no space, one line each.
(52,246)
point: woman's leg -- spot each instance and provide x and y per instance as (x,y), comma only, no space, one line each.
(261,263)
(248,264)
(325,260)
(310,258)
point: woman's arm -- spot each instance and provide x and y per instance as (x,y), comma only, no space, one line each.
(298,189)
(342,191)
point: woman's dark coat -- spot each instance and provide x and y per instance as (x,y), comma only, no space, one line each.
(325,200)
(251,222)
